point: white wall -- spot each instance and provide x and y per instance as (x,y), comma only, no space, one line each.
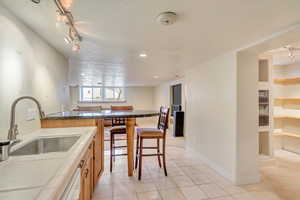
(28,66)
(221,114)
(211,113)
(141,98)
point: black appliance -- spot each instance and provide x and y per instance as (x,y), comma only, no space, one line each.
(178,117)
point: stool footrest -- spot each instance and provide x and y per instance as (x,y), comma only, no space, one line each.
(149,147)
(117,147)
(153,154)
(121,154)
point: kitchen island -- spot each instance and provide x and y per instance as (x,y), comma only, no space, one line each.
(81,119)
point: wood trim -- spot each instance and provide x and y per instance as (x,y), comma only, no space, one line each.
(68,123)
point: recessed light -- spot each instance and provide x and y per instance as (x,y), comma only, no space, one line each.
(82,74)
(156,77)
(143,55)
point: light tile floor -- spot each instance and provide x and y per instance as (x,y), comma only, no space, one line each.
(192,180)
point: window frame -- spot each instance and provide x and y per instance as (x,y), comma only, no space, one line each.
(102,93)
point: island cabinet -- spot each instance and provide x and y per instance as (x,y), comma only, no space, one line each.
(92,163)
(87,178)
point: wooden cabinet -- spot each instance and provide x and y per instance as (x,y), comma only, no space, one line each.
(87,179)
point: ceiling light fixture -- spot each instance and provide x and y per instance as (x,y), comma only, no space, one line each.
(143,55)
(68,39)
(156,77)
(166,18)
(36,1)
(66,17)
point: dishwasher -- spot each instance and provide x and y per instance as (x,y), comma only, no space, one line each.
(72,191)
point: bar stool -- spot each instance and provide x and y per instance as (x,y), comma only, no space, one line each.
(118,128)
(153,133)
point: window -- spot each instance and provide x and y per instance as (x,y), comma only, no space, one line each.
(101,94)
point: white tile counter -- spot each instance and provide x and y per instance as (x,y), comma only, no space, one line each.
(43,176)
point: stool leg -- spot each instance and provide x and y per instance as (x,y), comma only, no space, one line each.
(140,159)
(158,153)
(137,151)
(111,150)
(164,156)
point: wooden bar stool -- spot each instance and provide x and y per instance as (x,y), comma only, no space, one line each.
(153,133)
(118,128)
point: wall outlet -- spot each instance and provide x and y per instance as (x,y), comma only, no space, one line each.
(31,113)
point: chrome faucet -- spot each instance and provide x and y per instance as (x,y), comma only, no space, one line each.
(5,145)
(13,129)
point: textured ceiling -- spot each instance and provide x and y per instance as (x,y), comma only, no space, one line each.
(115,32)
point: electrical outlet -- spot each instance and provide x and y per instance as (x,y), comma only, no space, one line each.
(31,113)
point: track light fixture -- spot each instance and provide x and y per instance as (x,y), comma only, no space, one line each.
(65,16)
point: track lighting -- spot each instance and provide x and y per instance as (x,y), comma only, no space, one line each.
(75,47)
(65,16)
(67,39)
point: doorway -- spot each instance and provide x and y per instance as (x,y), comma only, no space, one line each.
(176,95)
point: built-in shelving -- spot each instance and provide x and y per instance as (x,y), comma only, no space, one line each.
(287,81)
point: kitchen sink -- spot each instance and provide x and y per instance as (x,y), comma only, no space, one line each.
(46,145)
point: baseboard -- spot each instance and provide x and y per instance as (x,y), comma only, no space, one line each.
(221,171)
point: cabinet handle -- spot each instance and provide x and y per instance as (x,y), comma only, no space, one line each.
(86,172)
(81,163)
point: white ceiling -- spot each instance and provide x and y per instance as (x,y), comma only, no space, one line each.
(115,32)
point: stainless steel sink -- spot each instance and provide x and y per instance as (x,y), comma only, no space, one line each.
(46,145)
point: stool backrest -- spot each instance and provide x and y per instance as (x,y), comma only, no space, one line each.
(119,121)
(163,119)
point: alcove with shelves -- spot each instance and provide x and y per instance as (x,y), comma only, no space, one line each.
(286,107)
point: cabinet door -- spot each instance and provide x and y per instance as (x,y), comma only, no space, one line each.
(88,179)
(87,175)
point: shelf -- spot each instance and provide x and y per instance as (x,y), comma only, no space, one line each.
(262,129)
(286,117)
(287,135)
(287,99)
(287,81)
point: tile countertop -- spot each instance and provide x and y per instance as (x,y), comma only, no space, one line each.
(43,176)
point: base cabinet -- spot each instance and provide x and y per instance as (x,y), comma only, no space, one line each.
(87,179)
(92,163)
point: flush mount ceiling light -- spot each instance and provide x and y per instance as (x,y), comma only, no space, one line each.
(167,18)
(65,16)
(143,55)
(156,77)
(36,1)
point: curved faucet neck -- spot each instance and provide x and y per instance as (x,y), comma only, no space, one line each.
(13,129)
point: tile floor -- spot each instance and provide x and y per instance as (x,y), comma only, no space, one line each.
(191,180)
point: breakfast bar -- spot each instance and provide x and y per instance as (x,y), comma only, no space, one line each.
(85,119)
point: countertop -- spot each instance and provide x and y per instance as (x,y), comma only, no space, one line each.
(43,176)
(100,114)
